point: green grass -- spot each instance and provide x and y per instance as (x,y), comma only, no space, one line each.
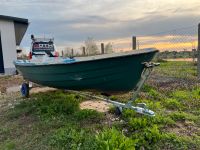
(112,139)
(54,120)
(184,70)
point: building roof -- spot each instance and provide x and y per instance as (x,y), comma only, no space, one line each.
(20,25)
(15,19)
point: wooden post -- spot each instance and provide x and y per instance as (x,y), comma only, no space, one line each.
(72,52)
(84,52)
(62,53)
(134,43)
(102,48)
(193,55)
(198,52)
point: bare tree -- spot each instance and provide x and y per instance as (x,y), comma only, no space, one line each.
(67,51)
(108,48)
(91,46)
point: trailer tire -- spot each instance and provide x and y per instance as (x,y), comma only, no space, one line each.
(25,90)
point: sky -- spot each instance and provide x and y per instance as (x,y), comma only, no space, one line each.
(71,22)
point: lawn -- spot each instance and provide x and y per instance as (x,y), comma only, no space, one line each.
(53,120)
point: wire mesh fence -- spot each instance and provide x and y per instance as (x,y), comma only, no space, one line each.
(181,39)
(175,43)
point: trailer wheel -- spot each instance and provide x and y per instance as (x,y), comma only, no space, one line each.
(25,90)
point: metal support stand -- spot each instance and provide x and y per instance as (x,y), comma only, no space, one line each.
(140,107)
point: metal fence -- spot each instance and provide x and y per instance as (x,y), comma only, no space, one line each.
(181,39)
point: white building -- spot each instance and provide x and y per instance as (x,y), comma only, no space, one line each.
(12,30)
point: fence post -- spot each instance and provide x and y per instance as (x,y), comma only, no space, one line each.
(134,43)
(102,48)
(62,53)
(193,55)
(84,51)
(198,52)
(72,52)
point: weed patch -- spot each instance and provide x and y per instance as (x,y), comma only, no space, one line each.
(70,138)
(113,139)
(88,114)
(47,105)
(8,145)
(172,104)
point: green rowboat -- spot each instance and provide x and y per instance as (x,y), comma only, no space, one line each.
(110,73)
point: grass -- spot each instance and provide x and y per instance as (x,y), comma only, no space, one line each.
(54,120)
(184,70)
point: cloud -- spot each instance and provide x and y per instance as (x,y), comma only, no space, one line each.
(72,21)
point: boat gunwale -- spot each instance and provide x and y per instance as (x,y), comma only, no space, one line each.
(93,58)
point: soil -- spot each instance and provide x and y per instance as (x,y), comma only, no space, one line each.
(185,128)
(100,106)
(9,81)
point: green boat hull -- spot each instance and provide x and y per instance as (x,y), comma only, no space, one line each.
(110,75)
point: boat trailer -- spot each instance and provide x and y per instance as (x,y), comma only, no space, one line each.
(139,107)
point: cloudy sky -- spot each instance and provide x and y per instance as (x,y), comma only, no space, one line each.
(70,22)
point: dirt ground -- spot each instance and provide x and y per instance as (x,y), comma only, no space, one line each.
(9,81)
(10,87)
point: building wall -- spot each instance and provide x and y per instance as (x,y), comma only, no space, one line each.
(7,31)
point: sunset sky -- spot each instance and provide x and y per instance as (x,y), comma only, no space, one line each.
(70,22)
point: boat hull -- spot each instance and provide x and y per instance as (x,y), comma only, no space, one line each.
(109,75)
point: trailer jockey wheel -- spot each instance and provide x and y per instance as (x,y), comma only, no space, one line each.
(118,111)
(25,90)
